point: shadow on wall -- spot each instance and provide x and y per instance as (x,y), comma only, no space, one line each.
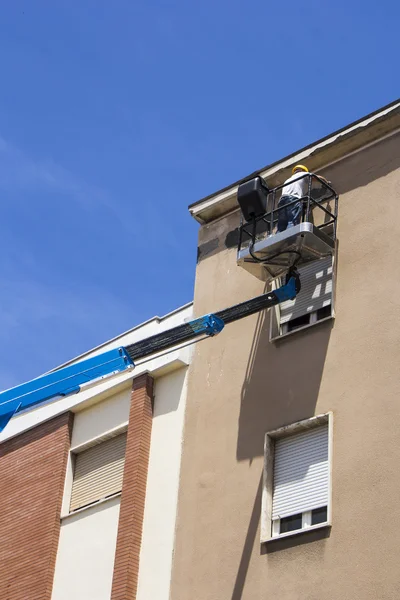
(276,546)
(240,580)
(283,378)
(282,383)
(281,386)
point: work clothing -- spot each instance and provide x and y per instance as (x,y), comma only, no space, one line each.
(296,188)
(291,215)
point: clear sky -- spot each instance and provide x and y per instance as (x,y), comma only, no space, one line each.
(114,116)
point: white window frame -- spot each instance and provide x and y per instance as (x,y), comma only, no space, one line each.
(278,331)
(269,528)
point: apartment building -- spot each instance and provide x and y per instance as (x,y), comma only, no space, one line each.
(89,483)
(289,481)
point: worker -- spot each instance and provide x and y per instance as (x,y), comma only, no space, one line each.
(292,190)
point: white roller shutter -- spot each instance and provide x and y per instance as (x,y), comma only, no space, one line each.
(98,472)
(315,293)
(301,472)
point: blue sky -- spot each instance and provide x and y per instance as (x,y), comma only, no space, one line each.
(114,116)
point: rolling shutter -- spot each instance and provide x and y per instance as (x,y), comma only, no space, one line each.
(98,472)
(301,473)
(315,293)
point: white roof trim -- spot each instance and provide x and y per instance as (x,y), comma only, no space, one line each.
(93,393)
(197,209)
(155,319)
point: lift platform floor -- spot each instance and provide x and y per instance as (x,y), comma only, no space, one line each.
(299,244)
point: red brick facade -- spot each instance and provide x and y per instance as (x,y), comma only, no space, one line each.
(32,472)
(126,568)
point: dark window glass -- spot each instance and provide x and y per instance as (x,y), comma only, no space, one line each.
(290,523)
(319,515)
(324,312)
(299,322)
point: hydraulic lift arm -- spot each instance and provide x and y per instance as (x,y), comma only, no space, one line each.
(70,380)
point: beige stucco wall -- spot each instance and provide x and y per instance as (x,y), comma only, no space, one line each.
(241,385)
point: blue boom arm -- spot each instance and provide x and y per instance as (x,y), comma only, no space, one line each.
(69,380)
(63,382)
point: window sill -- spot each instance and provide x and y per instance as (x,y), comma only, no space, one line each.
(282,536)
(285,335)
(88,506)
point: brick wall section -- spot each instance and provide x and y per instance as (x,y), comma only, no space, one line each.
(126,566)
(32,474)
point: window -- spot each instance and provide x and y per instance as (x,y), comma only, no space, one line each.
(98,472)
(296,494)
(313,303)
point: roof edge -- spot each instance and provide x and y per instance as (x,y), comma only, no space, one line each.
(200,209)
(120,335)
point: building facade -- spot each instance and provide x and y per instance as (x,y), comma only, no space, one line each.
(289,480)
(89,483)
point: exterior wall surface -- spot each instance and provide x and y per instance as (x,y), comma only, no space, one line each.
(88,538)
(240,386)
(32,468)
(86,550)
(162,487)
(85,558)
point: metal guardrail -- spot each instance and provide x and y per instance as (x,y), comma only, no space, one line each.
(267,222)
